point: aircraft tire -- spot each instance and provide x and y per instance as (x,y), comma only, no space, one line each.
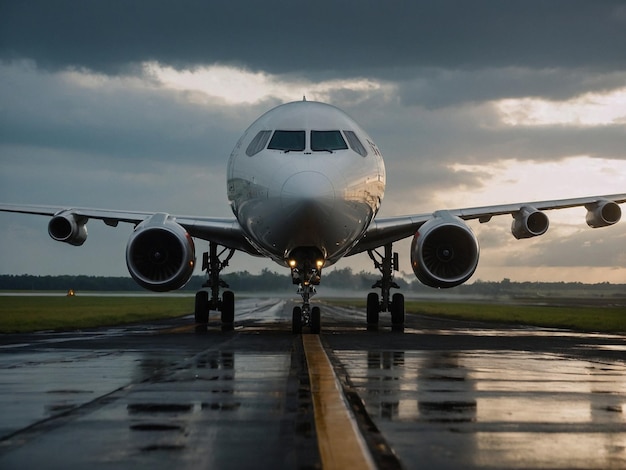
(228,307)
(201,311)
(316,321)
(373,308)
(296,321)
(397,310)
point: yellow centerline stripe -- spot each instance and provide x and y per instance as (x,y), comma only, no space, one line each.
(340,443)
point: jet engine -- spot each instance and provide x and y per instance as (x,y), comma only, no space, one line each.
(603,213)
(160,254)
(68,228)
(529,222)
(444,252)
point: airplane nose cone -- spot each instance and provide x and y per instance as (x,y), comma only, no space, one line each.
(307,187)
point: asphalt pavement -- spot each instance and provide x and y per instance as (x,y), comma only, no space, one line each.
(439,394)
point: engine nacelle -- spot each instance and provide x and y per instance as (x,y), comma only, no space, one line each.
(603,213)
(160,254)
(444,252)
(68,228)
(529,222)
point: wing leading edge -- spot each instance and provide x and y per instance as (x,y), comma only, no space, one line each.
(223,231)
(391,229)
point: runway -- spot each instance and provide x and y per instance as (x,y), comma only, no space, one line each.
(440,394)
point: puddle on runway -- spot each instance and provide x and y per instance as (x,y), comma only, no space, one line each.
(504,409)
(35,386)
(208,410)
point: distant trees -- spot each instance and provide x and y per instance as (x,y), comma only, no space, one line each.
(63,283)
(340,279)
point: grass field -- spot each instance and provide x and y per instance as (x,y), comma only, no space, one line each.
(578,317)
(23,314)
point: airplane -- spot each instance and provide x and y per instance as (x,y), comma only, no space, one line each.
(305,183)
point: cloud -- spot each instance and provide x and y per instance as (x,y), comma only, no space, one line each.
(442,87)
(337,38)
(114,116)
(590,109)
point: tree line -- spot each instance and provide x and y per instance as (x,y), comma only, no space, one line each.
(269,281)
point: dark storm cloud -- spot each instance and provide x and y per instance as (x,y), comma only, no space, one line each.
(324,37)
(437,88)
(116,119)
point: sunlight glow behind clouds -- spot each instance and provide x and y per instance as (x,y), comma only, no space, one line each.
(236,86)
(589,109)
(572,177)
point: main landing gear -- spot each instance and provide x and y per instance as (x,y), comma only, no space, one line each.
(306,271)
(212,264)
(386,263)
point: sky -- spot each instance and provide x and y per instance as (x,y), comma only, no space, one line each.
(127,104)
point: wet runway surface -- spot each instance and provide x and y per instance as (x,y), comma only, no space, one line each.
(440,394)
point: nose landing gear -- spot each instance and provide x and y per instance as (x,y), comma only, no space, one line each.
(306,271)
(306,315)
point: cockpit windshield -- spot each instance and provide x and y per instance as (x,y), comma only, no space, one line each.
(327,141)
(295,141)
(288,141)
(355,143)
(258,143)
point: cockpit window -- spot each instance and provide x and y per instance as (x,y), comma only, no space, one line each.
(288,141)
(327,141)
(258,143)
(355,143)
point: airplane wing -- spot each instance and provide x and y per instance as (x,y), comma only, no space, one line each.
(390,229)
(224,231)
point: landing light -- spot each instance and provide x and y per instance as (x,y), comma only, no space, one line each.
(292,263)
(319,263)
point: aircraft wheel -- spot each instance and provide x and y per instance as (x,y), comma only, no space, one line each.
(316,321)
(397,309)
(296,321)
(201,311)
(373,308)
(228,307)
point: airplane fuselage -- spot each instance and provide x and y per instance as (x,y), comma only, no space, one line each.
(305,178)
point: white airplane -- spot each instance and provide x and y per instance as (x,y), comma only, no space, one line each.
(305,183)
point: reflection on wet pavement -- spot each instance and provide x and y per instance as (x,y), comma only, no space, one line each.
(190,413)
(216,392)
(464,409)
(38,386)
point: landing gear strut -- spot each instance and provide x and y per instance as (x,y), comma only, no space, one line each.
(306,272)
(306,315)
(212,264)
(386,263)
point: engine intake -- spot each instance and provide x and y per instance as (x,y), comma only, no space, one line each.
(444,252)
(160,254)
(69,228)
(529,222)
(603,213)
